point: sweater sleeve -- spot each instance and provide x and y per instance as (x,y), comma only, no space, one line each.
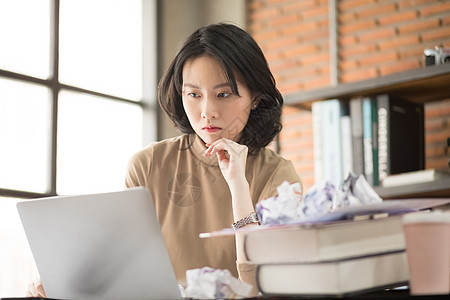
(138,169)
(247,273)
(284,172)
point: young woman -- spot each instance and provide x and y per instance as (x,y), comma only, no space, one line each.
(220,93)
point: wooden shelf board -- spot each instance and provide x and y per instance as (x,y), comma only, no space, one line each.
(427,84)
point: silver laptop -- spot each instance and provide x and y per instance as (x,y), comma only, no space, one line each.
(99,246)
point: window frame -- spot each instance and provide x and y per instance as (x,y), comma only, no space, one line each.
(147,103)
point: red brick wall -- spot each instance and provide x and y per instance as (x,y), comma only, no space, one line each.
(375,38)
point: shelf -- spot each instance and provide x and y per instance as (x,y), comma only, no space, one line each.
(434,189)
(427,84)
(422,85)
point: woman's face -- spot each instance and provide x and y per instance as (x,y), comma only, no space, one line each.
(211,107)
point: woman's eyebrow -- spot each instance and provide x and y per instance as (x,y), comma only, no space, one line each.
(220,85)
(187,84)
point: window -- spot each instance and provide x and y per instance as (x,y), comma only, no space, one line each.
(25,135)
(72,105)
(71,93)
(96,137)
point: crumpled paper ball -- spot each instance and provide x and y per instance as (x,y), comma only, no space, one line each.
(289,207)
(283,208)
(318,200)
(354,191)
(209,283)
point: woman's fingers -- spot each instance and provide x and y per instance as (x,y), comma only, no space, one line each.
(222,154)
(30,290)
(232,158)
(36,289)
(227,145)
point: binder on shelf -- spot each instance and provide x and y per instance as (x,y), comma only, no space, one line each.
(400,136)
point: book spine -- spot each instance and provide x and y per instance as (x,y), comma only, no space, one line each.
(374,119)
(357,135)
(316,109)
(333,278)
(346,140)
(383,137)
(331,141)
(367,138)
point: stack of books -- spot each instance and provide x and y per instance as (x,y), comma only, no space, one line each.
(348,251)
(375,136)
(329,259)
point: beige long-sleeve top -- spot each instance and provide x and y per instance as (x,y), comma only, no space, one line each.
(191,196)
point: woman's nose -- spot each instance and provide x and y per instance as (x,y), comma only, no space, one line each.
(209,110)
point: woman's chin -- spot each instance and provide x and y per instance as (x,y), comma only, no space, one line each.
(208,139)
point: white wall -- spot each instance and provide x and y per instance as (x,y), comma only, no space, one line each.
(179,18)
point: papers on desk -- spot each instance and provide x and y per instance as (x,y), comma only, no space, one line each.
(389,207)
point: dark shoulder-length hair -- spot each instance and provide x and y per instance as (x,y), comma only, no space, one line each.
(236,51)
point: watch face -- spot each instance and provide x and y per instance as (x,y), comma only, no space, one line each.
(254,217)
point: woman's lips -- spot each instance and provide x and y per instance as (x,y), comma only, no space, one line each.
(211,128)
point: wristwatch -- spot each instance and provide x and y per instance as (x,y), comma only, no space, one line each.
(251,218)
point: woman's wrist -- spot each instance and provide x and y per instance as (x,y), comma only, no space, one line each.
(241,201)
(239,187)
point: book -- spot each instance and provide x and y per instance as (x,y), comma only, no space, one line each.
(331,141)
(316,109)
(346,140)
(374,122)
(334,278)
(367,139)
(400,136)
(324,241)
(415,177)
(357,135)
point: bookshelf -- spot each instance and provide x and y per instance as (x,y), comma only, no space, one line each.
(422,85)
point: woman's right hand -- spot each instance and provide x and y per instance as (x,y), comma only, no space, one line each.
(36,289)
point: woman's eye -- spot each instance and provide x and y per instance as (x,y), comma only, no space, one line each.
(224,95)
(194,95)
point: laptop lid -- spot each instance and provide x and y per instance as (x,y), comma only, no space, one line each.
(99,246)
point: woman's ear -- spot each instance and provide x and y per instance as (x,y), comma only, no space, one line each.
(255,101)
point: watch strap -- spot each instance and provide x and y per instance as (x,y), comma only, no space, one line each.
(250,219)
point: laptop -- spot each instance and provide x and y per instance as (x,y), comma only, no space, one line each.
(99,246)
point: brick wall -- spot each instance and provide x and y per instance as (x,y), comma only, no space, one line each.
(375,38)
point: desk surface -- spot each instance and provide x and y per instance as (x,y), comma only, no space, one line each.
(399,294)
